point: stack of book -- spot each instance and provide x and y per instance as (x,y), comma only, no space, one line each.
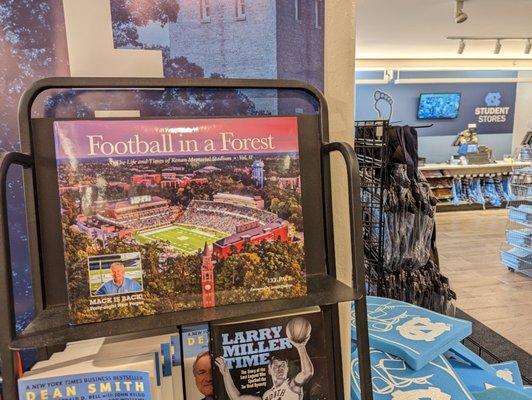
(417,354)
(132,366)
(279,356)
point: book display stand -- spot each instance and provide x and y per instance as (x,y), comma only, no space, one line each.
(51,326)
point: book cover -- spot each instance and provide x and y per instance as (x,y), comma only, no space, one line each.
(414,334)
(177,370)
(166,215)
(112,347)
(124,352)
(167,382)
(133,385)
(393,379)
(277,358)
(197,362)
(137,376)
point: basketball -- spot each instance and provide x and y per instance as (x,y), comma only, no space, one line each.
(298,330)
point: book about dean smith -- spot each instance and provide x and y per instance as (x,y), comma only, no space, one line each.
(172,214)
(280,358)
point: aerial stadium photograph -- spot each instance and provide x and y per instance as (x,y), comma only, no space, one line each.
(217,227)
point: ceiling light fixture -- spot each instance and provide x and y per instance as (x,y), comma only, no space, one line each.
(459,14)
(498,47)
(461,46)
(498,42)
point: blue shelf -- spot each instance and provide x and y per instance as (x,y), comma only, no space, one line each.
(519,237)
(521,214)
(517,258)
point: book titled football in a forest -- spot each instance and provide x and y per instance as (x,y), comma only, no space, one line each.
(165,215)
(281,357)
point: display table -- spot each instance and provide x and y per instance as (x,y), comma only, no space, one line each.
(457,170)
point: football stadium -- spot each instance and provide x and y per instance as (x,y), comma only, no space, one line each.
(227,222)
(219,223)
(186,239)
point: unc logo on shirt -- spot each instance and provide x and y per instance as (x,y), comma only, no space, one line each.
(419,328)
(276,394)
(282,392)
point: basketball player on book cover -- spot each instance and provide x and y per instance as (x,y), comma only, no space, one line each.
(284,388)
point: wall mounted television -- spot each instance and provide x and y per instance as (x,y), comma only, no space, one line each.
(438,105)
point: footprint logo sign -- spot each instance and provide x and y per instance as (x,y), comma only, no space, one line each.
(493,99)
(383,104)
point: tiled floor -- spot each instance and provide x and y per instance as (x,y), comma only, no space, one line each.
(468,244)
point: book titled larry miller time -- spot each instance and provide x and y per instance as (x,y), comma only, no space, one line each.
(171,214)
(274,357)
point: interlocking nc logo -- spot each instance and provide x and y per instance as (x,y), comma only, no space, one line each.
(493,99)
(419,328)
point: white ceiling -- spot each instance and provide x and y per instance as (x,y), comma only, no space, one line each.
(418,28)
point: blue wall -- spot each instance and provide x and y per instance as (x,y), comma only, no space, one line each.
(435,142)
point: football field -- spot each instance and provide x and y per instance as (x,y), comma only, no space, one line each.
(186,239)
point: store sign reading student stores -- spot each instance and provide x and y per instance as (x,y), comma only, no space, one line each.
(493,109)
(494,112)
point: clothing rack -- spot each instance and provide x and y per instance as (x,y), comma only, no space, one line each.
(415,283)
(413,126)
(372,153)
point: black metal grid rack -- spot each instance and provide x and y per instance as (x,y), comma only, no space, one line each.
(373,155)
(51,327)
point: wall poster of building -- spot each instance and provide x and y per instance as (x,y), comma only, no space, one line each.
(164,215)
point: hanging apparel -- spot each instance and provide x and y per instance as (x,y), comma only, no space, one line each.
(398,211)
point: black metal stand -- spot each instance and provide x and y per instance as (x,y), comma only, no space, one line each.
(373,156)
(51,326)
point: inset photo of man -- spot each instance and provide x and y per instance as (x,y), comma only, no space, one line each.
(113,274)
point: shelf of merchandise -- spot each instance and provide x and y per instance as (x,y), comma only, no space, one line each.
(498,168)
(51,323)
(466,206)
(517,257)
(441,187)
